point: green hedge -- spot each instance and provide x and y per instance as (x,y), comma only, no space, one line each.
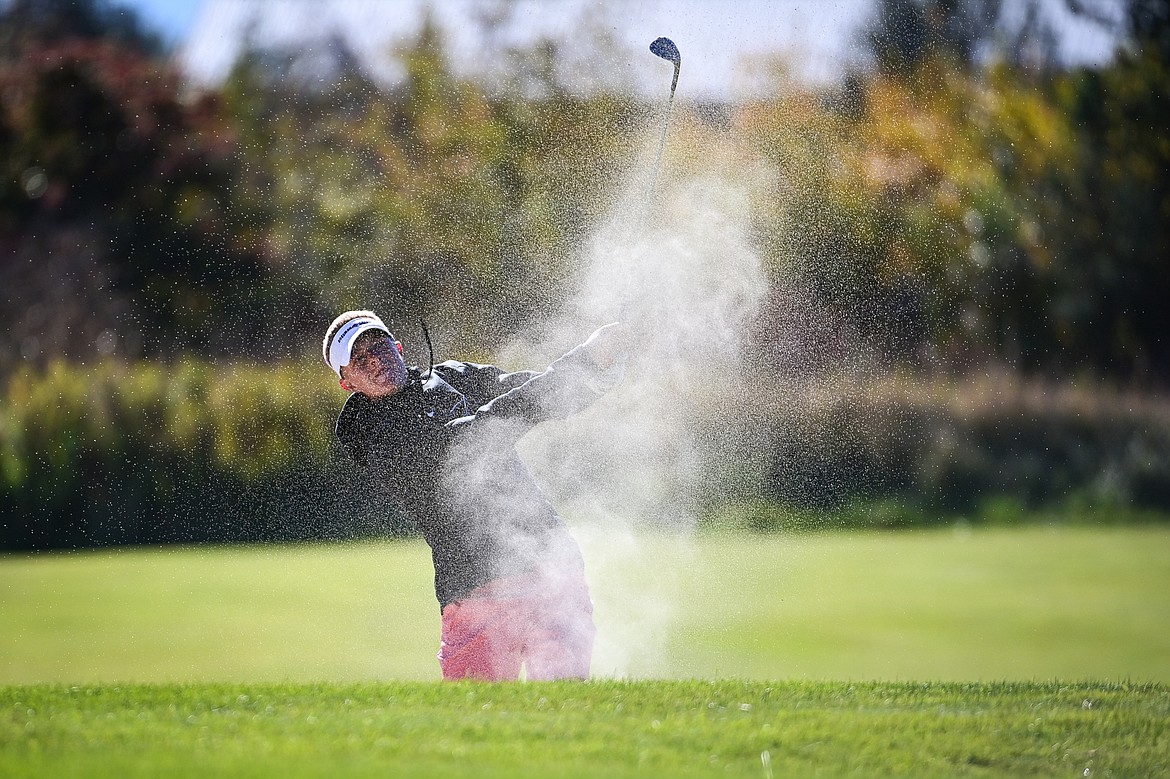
(991,450)
(150,453)
(190,452)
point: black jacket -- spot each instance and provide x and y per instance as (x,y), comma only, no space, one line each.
(444,448)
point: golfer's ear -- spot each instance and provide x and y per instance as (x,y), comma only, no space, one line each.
(344,385)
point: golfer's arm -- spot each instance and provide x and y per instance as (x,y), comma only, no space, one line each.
(510,381)
(563,389)
(481,383)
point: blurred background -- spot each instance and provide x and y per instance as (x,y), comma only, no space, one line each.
(964,229)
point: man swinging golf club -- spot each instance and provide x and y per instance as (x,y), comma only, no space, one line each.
(508,576)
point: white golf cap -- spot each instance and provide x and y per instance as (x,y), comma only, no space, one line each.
(338,350)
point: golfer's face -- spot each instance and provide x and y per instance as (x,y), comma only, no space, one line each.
(376,367)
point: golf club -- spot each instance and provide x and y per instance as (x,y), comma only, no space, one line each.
(665,48)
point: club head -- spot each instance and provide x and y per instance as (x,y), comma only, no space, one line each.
(665,48)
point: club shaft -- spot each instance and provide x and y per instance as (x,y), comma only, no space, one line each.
(662,141)
(661,145)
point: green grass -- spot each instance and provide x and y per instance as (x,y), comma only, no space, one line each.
(610,728)
(1023,604)
(275,661)
(986,605)
(219,613)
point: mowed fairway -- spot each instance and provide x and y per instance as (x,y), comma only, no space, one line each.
(1018,604)
(598,729)
(306,662)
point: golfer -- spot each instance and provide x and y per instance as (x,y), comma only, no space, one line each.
(508,575)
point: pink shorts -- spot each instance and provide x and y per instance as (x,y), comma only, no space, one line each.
(540,619)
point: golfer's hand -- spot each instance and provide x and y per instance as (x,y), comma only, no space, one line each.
(608,346)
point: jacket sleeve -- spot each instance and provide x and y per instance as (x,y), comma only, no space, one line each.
(481,383)
(566,387)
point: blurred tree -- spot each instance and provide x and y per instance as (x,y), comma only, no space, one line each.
(426,198)
(903,34)
(1116,213)
(1014,213)
(112,237)
(1149,26)
(1144,24)
(968,221)
(41,22)
(364,198)
(1033,46)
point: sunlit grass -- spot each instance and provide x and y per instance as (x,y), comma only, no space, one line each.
(1038,603)
(1033,603)
(621,729)
(219,613)
(793,631)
